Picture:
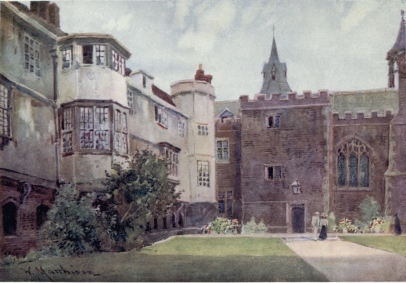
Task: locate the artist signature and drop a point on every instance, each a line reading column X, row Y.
column 61, row 270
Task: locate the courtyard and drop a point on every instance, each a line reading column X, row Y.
column 269, row 257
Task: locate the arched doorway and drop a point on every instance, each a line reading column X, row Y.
column 9, row 219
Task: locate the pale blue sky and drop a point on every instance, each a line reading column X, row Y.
column 326, row 44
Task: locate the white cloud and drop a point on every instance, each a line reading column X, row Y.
column 123, row 23
column 358, row 12
column 182, row 8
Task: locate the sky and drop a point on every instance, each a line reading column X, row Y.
column 339, row 45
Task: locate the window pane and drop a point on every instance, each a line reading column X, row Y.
column 87, row 54
column 270, row 173
column 364, row 174
column 341, row 169
column 353, row 169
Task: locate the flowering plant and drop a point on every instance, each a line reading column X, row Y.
column 379, row 225
column 345, row 224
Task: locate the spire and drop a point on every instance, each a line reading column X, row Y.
column 274, row 51
column 274, row 73
column 400, row 43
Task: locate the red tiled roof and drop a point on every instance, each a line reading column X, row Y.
column 162, row 95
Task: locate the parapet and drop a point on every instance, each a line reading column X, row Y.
column 322, row 97
column 362, row 117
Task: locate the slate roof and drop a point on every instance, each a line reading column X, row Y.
column 162, row 94
column 232, row 105
column 400, row 43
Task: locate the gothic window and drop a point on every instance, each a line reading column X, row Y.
column 353, row 164
column 9, row 219
column 203, row 173
column 222, row 150
column 4, row 111
column 120, row 144
column 164, row 223
column 118, row 62
column 225, row 202
column 66, row 57
column 202, row 130
column 32, row 55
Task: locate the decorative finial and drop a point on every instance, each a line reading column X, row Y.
column 200, row 66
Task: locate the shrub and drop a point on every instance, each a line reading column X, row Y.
column 71, row 227
column 370, row 209
column 138, row 190
column 253, row 228
column 223, row 225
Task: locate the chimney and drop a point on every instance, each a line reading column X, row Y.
column 49, row 12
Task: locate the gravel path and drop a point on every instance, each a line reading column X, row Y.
column 345, row 261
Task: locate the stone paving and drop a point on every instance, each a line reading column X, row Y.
column 345, row 261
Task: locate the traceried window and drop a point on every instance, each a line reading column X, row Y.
column 66, row 57
column 202, row 130
column 173, row 160
column 94, row 127
column 67, row 128
column 274, row 121
column 118, row 62
column 222, row 150
column 121, row 132
column 181, row 127
column 353, row 164
column 4, row 111
column 161, row 116
column 273, row 172
column 94, row 54
column 32, row 55
column 203, row 173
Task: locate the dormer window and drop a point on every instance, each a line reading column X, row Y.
column 118, row 62
column 144, row 81
column 94, row 54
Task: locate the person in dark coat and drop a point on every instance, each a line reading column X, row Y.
column 398, row 228
column 323, row 225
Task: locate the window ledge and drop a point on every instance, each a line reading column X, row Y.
column 353, row 189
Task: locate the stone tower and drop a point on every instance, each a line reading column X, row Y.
column 274, row 72
column 396, row 173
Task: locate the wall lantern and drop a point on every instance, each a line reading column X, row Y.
column 296, row 188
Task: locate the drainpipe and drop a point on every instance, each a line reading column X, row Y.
column 54, row 56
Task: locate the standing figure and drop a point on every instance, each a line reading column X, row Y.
column 398, row 228
column 315, row 224
column 323, row 224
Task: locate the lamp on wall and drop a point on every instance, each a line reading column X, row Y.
column 296, row 188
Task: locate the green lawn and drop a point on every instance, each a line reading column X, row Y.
column 396, row 244
column 179, row 259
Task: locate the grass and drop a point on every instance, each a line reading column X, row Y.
column 179, row 259
column 396, row 244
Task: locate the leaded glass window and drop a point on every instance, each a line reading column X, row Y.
column 4, row 111
column 202, row 130
column 353, row 164
column 222, row 150
column 118, row 62
column 67, row 127
column 120, row 144
column 220, row 202
column 203, row 174
column 94, row 127
column 66, row 57
column 32, row 55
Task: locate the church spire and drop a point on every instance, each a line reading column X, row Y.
column 274, row 73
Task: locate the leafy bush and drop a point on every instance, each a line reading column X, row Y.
column 253, row 228
column 138, row 191
column 223, row 226
column 71, row 227
column 370, row 209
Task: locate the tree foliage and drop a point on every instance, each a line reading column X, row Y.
column 370, row 209
column 137, row 191
column 71, row 227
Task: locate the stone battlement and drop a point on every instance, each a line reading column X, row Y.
column 354, row 118
column 292, row 99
